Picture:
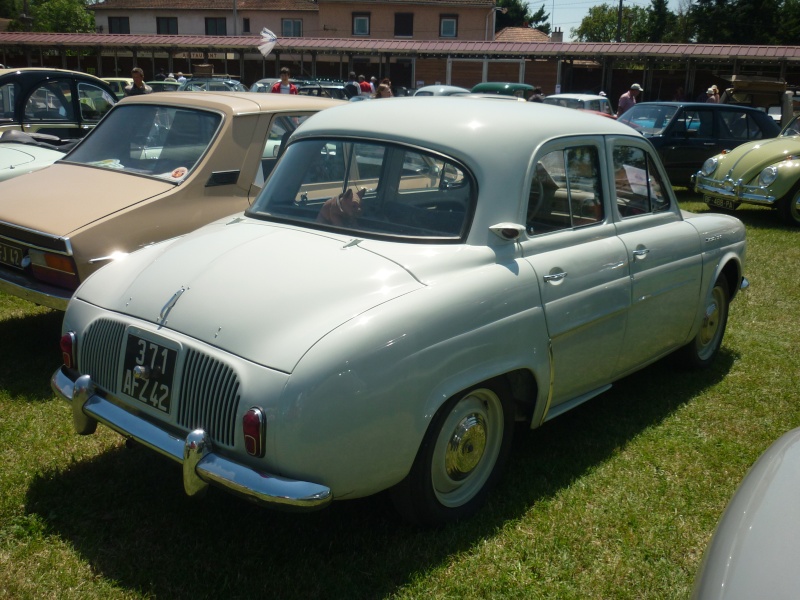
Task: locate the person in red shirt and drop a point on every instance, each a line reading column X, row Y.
column 366, row 88
column 284, row 86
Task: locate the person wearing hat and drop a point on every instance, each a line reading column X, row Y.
column 628, row 99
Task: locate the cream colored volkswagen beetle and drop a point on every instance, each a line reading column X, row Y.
column 416, row 275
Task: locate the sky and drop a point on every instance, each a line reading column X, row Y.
column 568, row 14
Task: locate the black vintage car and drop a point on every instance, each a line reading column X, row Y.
column 66, row 104
column 687, row 133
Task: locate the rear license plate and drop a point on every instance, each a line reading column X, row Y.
column 722, row 203
column 11, row 255
column 148, row 372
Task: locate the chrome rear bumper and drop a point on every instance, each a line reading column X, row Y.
column 201, row 465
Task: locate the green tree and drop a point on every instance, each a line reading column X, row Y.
column 789, row 25
column 518, row 14
column 600, row 25
column 60, row 16
column 659, row 21
column 10, row 9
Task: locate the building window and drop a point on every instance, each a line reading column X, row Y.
column 246, row 25
column 216, row 26
column 167, row 25
column 360, row 23
column 448, row 26
column 404, row 24
column 292, row 27
column 119, row 25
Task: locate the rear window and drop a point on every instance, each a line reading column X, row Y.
column 369, row 189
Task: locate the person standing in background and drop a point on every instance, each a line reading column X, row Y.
column 628, row 99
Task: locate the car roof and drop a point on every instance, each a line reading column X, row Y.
column 458, row 125
column 579, row 96
column 442, row 88
column 234, row 102
column 710, row 105
column 34, row 73
column 500, row 85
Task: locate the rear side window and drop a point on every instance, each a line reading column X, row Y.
column 565, row 191
column 8, row 98
column 51, row 101
column 740, row 125
column 638, row 186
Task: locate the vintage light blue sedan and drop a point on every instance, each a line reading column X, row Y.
column 416, row 275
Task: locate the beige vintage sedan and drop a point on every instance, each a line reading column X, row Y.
column 156, row 167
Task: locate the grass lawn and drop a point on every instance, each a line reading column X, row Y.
column 616, row 499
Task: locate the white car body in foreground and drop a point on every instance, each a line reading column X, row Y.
column 755, row 549
column 501, row 266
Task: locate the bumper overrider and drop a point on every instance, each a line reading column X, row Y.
column 201, row 465
column 733, row 190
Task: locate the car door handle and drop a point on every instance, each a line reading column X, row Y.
column 641, row 252
column 555, row 277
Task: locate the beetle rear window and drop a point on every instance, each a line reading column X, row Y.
column 369, row 188
column 159, row 141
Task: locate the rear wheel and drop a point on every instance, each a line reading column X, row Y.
column 789, row 207
column 460, row 458
column 702, row 350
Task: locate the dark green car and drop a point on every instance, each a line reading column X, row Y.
column 520, row 90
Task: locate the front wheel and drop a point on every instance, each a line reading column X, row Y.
column 460, row 458
column 702, row 350
column 789, row 207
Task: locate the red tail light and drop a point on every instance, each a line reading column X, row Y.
column 254, row 427
column 54, row 269
column 68, row 349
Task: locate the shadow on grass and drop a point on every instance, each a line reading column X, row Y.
column 754, row 217
column 30, row 353
column 126, row 514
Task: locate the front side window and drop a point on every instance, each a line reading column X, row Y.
column 292, row 27
column 638, row 186
column 565, row 191
column 371, row 189
column 216, row 26
column 94, row 101
column 696, row 123
column 119, row 25
column 448, row 26
column 404, row 24
column 51, row 101
column 360, row 23
column 280, row 129
column 167, row 25
column 168, row 147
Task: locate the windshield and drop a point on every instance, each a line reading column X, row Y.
column 161, row 141
column 648, row 118
column 369, row 188
column 212, row 85
column 793, row 128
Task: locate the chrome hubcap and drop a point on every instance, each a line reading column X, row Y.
column 466, row 447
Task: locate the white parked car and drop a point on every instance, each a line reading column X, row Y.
column 395, row 299
column 754, row 550
column 590, row 102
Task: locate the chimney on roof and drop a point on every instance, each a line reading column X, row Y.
column 557, row 36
